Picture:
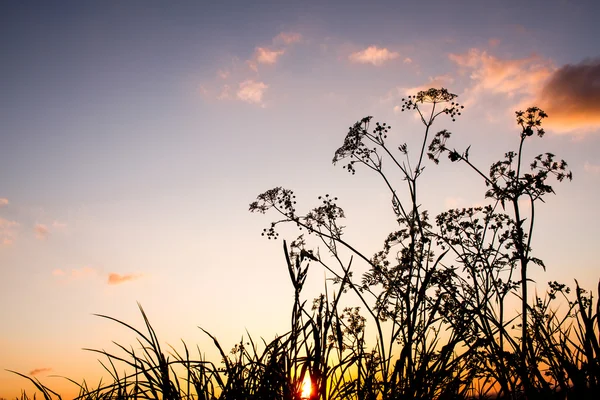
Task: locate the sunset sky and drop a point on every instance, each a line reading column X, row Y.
column 134, row 135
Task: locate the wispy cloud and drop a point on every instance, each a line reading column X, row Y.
column 267, row 56
column 223, row 73
column 287, row 38
column 3, row 201
column 75, row 273
column 453, row 202
column 38, row 371
column 252, row 91
column 59, row 224
column 8, row 231
column 373, row 55
column 495, row 75
column 571, row 97
column 41, row 231
column 116, row 279
column 435, row 81
column 591, row 168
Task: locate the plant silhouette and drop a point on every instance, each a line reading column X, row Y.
column 430, row 319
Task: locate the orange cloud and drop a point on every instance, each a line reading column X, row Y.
column 251, row 91
column 7, row 231
column 58, row 272
column 373, row 55
column 266, row 56
column 115, row 279
column 39, row 371
column 41, row 231
column 571, row 97
column 3, row 201
column 288, row 38
column 489, row 73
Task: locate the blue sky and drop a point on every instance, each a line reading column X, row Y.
column 133, row 136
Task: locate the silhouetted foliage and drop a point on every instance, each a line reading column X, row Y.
column 431, row 320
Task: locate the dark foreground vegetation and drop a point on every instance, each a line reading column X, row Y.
column 429, row 317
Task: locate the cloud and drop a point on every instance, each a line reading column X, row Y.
column 407, row 60
column 453, row 202
column 571, row 97
column 373, row 55
column 510, row 77
column 435, row 82
column 251, row 91
column 82, row 272
column 41, row 231
column 8, row 231
column 591, row 168
column 225, row 93
column 3, row 201
column 39, row 371
column 266, row 56
column 223, row 74
column 59, row 224
column 399, row 92
column 75, row 273
column 493, row 42
column 116, row 279
column 287, row 38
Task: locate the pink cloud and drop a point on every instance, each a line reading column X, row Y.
column 58, row 272
column 373, row 55
column 8, row 231
column 493, row 42
column 266, row 56
column 223, row 74
column 225, row 93
column 288, row 38
column 252, row 65
column 3, row 201
column 116, row 279
column 251, row 91
column 38, row 371
column 41, row 231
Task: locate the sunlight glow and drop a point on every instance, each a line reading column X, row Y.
column 306, row 387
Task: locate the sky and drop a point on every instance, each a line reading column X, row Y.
column 134, row 135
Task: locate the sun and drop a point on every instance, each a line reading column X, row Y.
column 306, row 387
